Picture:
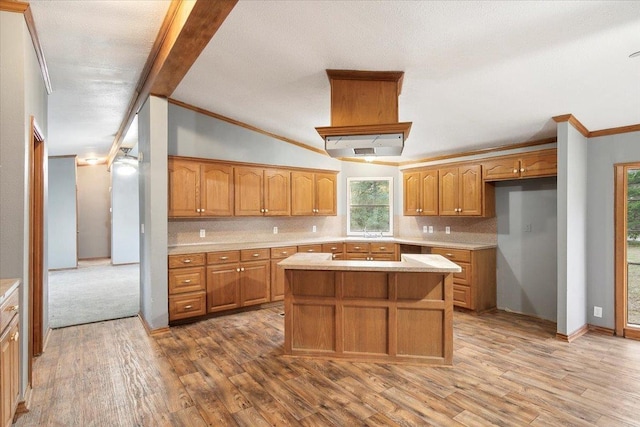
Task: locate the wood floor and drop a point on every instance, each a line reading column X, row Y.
column 508, row 370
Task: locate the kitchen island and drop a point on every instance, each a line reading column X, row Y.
column 388, row 311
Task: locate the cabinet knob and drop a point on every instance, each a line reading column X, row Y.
column 187, row 307
column 224, row 258
column 266, row 210
column 515, row 171
column 262, row 210
column 417, row 210
column 13, row 308
column 15, row 336
column 242, row 269
column 521, row 169
column 186, row 261
column 333, row 256
column 238, row 269
column 186, row 281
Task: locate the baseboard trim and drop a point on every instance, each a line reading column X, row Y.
column 633, row 334
column 602, row 330
column 150, row 331
column 23, row 405
column 574, row 335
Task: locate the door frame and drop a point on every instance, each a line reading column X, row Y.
column 620, row 249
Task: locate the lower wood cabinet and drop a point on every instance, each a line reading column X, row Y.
column 375, row 251
column 335, row 249
column 9, row 358
column 277, row 273
column 474, row 287
column 187, row 296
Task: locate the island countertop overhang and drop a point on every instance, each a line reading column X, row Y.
column 410, row 263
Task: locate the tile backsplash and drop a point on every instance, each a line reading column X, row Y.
column 252, row 229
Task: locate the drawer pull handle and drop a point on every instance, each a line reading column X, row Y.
column 449, row 255
column 186, row 281
column 334, row 248
column 256, row 255
column 187, row 307
column 382, row 248
column 224, row 258
column 284, row 253
column 186, row 261
column 310, row 250
column 357, row 248
column 15, row 336
column 13, row 308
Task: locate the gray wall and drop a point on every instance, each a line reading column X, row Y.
column 94, row 225
column 572, row 229
column 152, row 145
column 23, row 96
column 62, row 210
column 125, row 219
column 527, row 260
column 604, row 152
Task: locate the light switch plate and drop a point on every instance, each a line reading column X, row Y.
column 431, row 229
column 447, row 230
column 203, row 233
column 425, row 229
column 314, row 229
column 275, row 230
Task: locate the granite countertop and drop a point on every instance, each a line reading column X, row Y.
column 213, row 247
column 6, row 287
column 409, row 263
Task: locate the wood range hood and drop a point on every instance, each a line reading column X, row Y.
column 364, row 114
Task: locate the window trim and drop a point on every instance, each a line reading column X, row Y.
column 391, row 213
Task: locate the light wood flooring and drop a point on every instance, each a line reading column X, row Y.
column 508, row 370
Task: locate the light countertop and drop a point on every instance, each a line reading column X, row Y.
column 409, row 263
column 229, row 246
column 6, row 286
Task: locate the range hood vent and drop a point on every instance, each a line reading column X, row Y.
column 364, row 114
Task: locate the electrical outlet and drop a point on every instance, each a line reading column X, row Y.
column 202, row 232
column 431, row 229
column 447, row 230
column 526, row 228
column 425, row 229
column 275, row 230
column 314, row 229
column 597, row 311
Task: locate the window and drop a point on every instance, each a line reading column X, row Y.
column 370, row 206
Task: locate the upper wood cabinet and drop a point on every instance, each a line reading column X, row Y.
column 460, row 190
column 526, row 165
column 198, row 188
column 421, row 193
column 261, row 192
column 313, row 193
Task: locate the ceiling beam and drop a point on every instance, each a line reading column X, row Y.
column 187, row 29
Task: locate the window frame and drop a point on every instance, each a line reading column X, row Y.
column 389, row 179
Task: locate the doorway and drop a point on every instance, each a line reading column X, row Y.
column 627, row 249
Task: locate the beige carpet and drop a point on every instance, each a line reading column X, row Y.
column 93, row 292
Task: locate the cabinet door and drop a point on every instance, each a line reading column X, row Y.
column 277, row 192
column 223, row 291
column 500, row 169
column 326, row 188
column 411, row 193
column 470, row 196
column 429, row 193
column 302, row 193
column 248, row 185
column 448, row 191
column 216, row 190
column 254, row 283
column 9, row 372
column 277, row 281
column 539, row 164
column 184, row 188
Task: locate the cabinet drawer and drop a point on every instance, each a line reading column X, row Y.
column 310, row 248
column 284, row 252
column 356, row 256
column 254, row 254
column 186, row 260
column 8, row 309
column 358, row 248
column 462, row 296
column 187, row 305
column 464, row 277
column 454, row 255
column 382, row 248
column 183, row 280
column 223, row 257
column 333, row 248
column 383, row 257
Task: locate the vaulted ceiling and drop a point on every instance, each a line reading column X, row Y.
column 477, row 74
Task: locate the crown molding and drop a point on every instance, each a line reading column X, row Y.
column 573, row 122
column 13, row 6
column 593, row 134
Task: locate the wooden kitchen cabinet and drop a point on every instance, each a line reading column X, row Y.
column 335, row 249
column 9, row 357
column 313, row 193
column 460, row 190
column 420, row 192
column 474, row 288
column 375, row 251
column 262, row 192
column 527, row 165
column 277, row 273
column 187, row 296
column 199, row 188
column 232, row 284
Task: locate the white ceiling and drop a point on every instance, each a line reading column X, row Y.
column 477, row 74
column 95, row 53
